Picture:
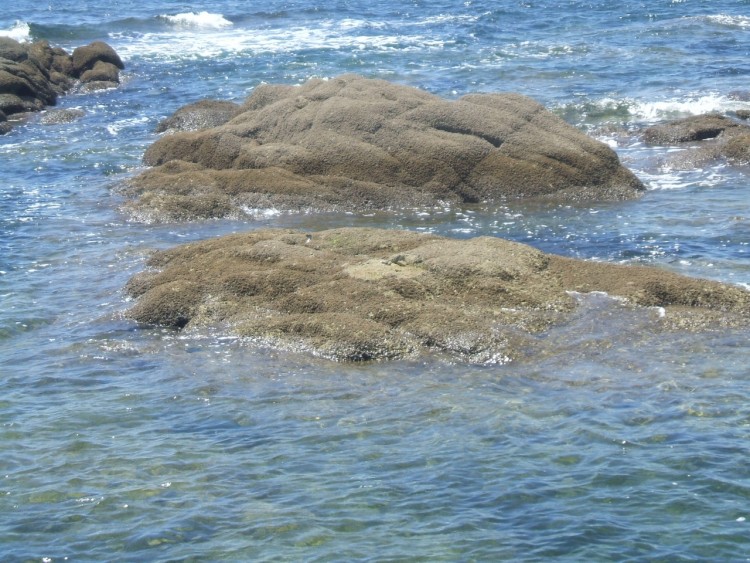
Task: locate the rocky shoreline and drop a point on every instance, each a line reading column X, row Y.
column 33, row 75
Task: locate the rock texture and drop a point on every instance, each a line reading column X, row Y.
column 363, row 294
column 353, row 143
column 33, row 75
column 203, row 114
column 705, row 138
column 694, row 128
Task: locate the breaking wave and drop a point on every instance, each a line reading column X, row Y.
column 20, row 31
column 199, row 19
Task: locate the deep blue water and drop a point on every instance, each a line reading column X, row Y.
column 616, row 443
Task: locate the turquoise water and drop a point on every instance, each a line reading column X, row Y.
column 613, row 442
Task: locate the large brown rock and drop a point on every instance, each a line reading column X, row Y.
column 102, row 72
column 360, row 143
column 26, row 81
column 360, row 294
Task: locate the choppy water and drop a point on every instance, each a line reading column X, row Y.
column 122, row 443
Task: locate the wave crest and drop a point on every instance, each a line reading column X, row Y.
column 198, row 19
column 731, row 21
column 21, row 31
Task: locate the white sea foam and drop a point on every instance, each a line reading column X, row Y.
column 20, row 32
column 117, row 126
column 730, row 21
column 199, row 19
column 190, row 43
column 691, row 105
column 448, row 18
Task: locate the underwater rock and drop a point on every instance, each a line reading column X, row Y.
column 352, row 143
column 60, row 116
column 371, row 294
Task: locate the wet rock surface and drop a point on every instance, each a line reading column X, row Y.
column 353, row 144
column 33, row 75
column 705, row 138
column 373, row 294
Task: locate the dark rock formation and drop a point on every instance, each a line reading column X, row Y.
column 89, row 56
column 694, row 128
column 705, row 138
column 360, row 294
column 4, row 125
column 33, row 75
column 352, row 143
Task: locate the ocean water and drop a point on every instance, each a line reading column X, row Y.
column 615, row 443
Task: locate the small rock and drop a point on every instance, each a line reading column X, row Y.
column 84, row 58
column 59, row 116
column 694, row 128
column 102, row 72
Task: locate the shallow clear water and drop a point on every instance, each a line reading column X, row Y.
column 613, row 443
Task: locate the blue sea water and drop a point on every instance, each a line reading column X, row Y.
column 615, row 443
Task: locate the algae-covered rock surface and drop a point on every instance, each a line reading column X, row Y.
column 353, row 143
column 365, row 294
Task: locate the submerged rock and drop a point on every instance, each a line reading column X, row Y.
column 33, row 75
column 59, row 116
column 364, row 294
column 353, row 143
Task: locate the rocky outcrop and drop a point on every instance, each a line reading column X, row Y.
column 363, row 294
column 352, row 143
column 688, row 129
column 33, row 75
column 705, row 138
